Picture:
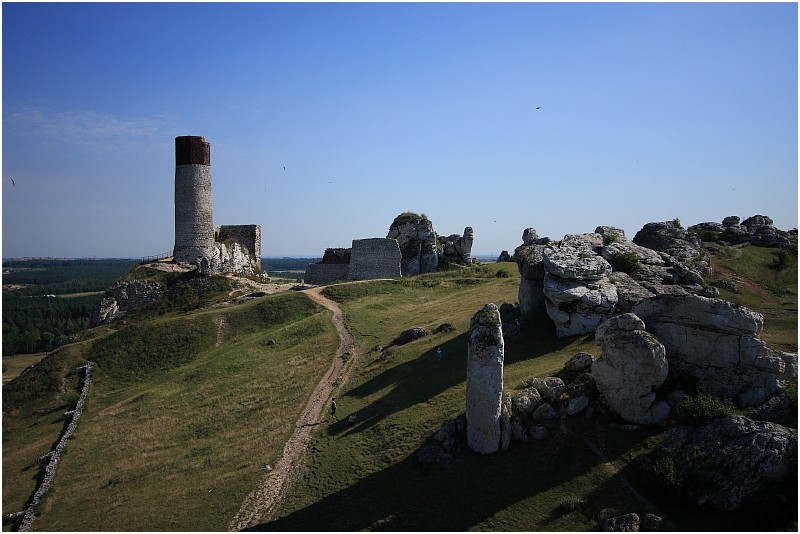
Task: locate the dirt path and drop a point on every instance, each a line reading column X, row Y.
column 736, row 277
column 273, row 486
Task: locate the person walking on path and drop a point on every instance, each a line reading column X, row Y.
column 439, row 354
column 333, row 408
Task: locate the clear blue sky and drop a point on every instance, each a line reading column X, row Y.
column 648, row 112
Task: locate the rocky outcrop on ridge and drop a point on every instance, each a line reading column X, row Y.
column 657, row 272
column 581, row 282
column 632, row 366
column 456, row 248
column 707, row 342
column 757, row 230
column 578, row 294
column 423, row 251
column 418, row 243
column 678, row 243
column 530, row 261
column 731, row 462
column 125, row 297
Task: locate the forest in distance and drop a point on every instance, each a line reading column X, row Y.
column 47, row 301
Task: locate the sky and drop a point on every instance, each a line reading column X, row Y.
column 557, row 116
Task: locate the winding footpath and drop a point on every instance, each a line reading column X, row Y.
column 271, row 489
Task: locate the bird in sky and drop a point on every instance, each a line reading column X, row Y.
column 12, row 183
column 284, row 167
column 539, row 107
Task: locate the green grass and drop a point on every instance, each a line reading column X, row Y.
column 179, row 449
column 366, row 476
column 13, row 366
column 186, row 409
column 776, row 294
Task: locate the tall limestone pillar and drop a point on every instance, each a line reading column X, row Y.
column 194, row 227
column 485, row 355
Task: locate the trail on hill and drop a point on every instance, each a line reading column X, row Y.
column 736, row 277
column 272, row 488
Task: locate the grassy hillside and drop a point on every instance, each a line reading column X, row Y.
column 188, row 408
column 367, row 476
column 762, row 287
column 183, row 415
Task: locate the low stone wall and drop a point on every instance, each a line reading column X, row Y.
column 326, row 273
column 55, row 455
column 375, row 258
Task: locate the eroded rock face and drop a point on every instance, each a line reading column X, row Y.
column 658, row 271
column 757, row 230
column 578, row 294
column 715, row 342
column 670, row 238
column 125, row 297
column 485, row 356
column 732, row 461
column 232, row 257
column 456, row 248
column 107, row 311
column 632, row 366
column 529, row 258
column 418, row 243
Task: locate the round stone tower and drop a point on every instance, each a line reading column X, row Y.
column 194, row 227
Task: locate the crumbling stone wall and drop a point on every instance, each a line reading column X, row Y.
column 334, row 267
column 374, row 258
column 54, row 456
column 326, row 273
column 247, row 235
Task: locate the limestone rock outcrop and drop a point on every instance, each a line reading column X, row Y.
column 125, row 297
column 632, row 366
column 108, row 309
column 578, row 294
column 530, row 261
column 485, row 356
column 715, row 342
column 232, row 257
column 418, row 243
column 456, row 248
column 671, row 238
column 657, row 272
column 757, row 230
column 732, row 461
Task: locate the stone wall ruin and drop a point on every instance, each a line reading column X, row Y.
column 374, row 258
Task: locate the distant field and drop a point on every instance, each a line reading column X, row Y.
column 13, row 366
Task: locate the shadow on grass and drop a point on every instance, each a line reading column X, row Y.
column 422, row 378
column 469, row 492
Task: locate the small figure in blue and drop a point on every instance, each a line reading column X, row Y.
column 439, row 354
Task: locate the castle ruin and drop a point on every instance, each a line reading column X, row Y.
column 410, row 248
column 229, row 249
